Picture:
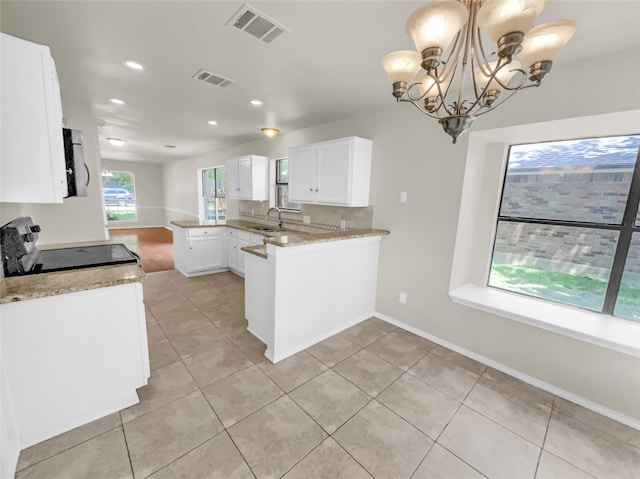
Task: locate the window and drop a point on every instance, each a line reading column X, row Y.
column 282, row 186
column 214, row 193
column 119, row 195
column 568, row 227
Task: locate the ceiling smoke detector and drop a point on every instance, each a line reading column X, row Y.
column 256, row 24
column 212, row 78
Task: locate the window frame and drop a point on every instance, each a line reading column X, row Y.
column 479, row 207
column 625, row 230
column 206, row 198
column 280, row 183
column 133, row 205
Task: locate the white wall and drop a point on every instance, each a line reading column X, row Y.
column 149, row 193
column 76, row 219
column 412, row 154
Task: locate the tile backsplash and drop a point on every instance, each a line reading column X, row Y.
column 322, row 217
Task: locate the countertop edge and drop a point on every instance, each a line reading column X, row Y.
column 23, row 288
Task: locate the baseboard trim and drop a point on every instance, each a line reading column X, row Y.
column 595, row 407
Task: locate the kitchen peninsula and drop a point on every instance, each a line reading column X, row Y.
column 302, row 287
column 74, row 347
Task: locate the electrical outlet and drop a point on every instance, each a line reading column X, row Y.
column 343, row 224
column 253, row 212
column 306, row 219
column 403, row 298
column 403, row 197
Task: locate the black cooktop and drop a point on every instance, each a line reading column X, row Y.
column 62, row 259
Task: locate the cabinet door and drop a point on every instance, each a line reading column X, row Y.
column 302, row 187
column 334, row 171
column 244, row 178
column 231, row 172
column 205, row 253
column 244, row 239
column 31, row 151
column 232, row 249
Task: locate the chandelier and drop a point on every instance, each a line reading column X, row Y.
column 447, row 35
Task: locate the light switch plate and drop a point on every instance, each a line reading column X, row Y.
column 306, row 219
column 403, row 197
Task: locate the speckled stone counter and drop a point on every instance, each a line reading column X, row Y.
column 22, row 288
column 285, row 237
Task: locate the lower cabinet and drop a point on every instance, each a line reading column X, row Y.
column 200, row 251
column 238, row 239
column 70, row 359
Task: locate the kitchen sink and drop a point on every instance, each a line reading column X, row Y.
column 266, row 229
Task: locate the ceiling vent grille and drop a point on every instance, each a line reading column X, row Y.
column 212, row 78
column 256, row 24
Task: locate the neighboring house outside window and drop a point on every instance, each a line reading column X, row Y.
column 569, row 227
column 214, row 193
column 282, row 186
column 118, row 188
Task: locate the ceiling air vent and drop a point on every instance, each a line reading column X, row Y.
column 256, row 24
column 212, row 78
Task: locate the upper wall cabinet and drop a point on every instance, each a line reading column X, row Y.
column 335, row 172
column 248, row 178
column 32, row 164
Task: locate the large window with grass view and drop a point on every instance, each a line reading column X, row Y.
column 119, row 192
column 282, row 186
column 214, row 197
column 569, row 227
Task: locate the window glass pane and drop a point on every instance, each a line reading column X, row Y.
column 579, row 180
column 628, row 302
column 560, row 263
column 209, row 208
column 282, row 171
column 220, row 182
column 221, row 204
column 119, row 192
column 208, row 182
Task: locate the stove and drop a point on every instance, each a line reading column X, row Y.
column 20, row 255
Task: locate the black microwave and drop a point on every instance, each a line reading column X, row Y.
column 77, row 170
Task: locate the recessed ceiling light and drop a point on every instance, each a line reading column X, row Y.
column 133, row 65
column 169, row 146
column 256, row 103
column 212, row 122
column 116, row 141
column 117, row 101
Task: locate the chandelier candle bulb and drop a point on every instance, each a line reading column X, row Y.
column 448, row 40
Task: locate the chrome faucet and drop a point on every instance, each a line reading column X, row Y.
column 279, row 215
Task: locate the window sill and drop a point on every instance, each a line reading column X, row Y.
column 603, row 330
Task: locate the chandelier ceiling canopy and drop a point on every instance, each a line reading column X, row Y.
column 452, row 79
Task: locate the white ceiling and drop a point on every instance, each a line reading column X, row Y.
column 326, row 68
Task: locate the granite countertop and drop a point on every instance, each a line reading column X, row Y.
column 285, row 237
column 31, row 286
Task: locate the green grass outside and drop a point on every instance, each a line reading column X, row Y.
column 121, row 216
column 583, row 291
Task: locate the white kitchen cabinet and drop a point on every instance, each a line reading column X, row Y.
column 238, row 239
column 335, row 172
column 232, row 249
column 248, row 178
column 32, row 161
column 72, row 358
column 199, row 250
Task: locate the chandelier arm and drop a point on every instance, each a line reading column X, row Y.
column 492, row 77
column 467, row 41
column 512, row 92
column 403, row 100
column 443, row 95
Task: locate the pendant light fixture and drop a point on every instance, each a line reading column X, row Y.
column 270, row 132
column 452, row 79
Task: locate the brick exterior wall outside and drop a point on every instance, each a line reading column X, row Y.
column 579, row 196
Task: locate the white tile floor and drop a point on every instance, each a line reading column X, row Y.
column 373, row 401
